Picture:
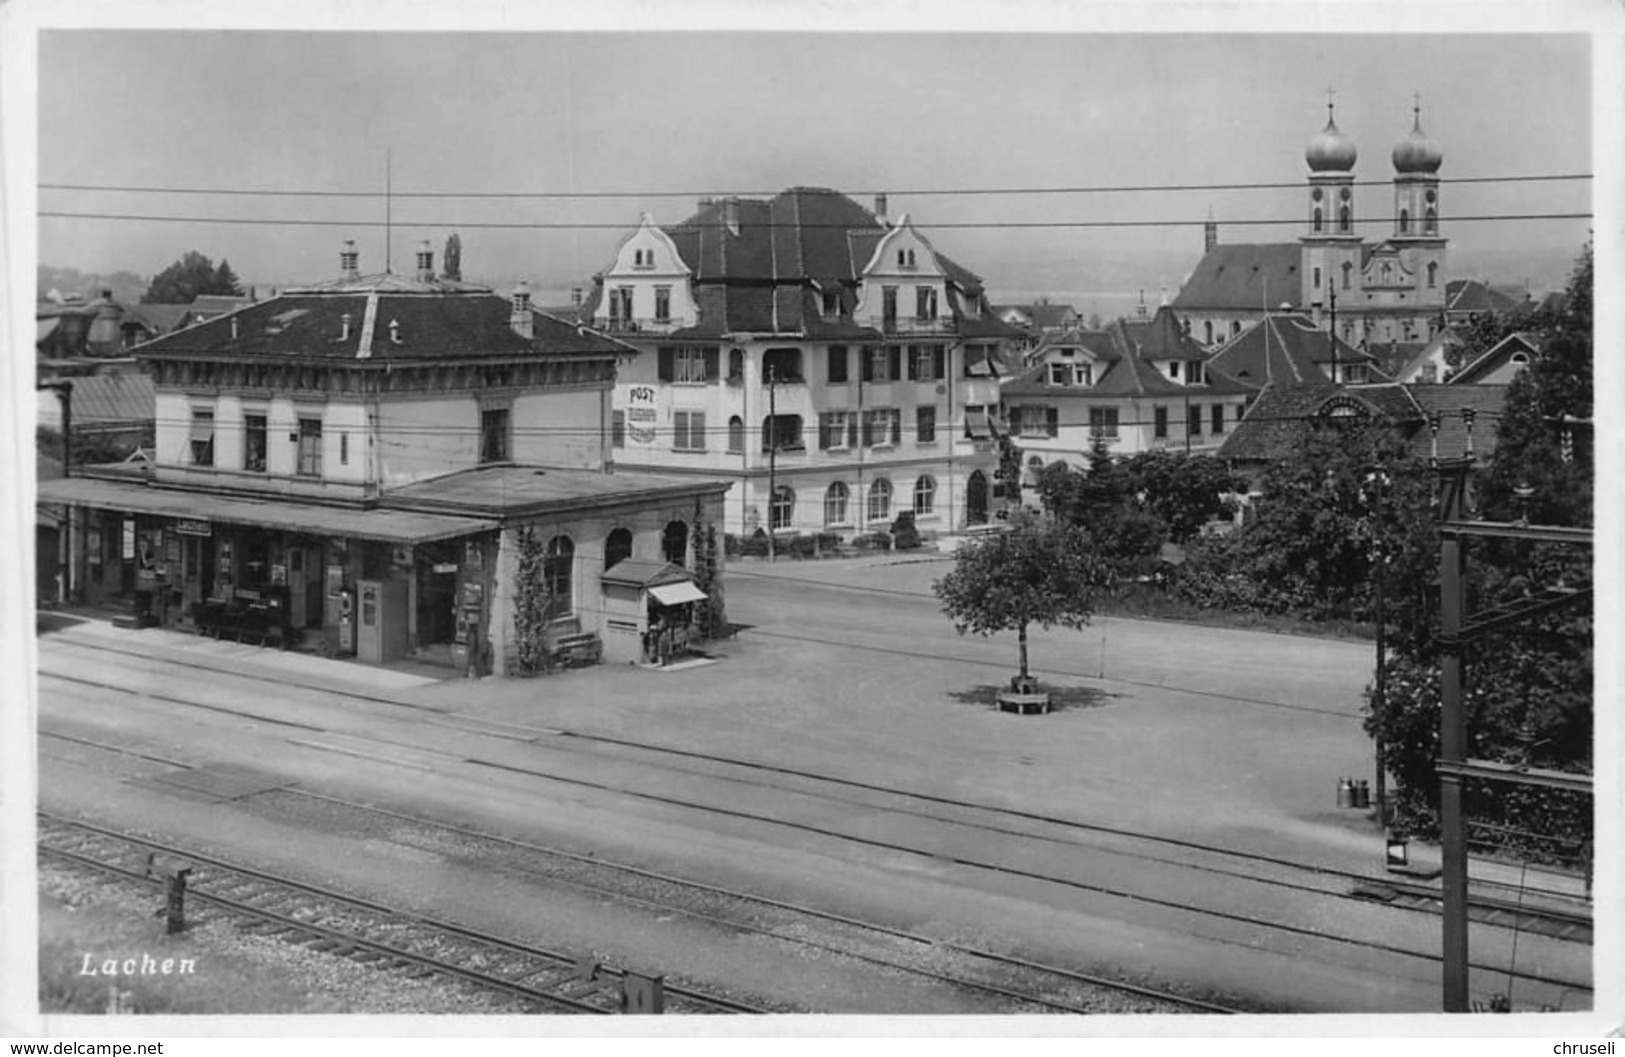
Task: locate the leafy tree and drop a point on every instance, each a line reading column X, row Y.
column 530, row 603
column 1041, row 571
column 1183, row 492
column 191, row 276
column 710, row 616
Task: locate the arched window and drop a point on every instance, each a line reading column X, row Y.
column 736, row 365
column 925, row 495
column 782, row 510
column 674, row 542
column 976, row 498
column 558, row 572
column 1430, row 222
column 1317, row 222
column 1345, row 219
column 880, row 500
column 835, row 504
column 1207, row 331
column 617, row 547
column 736, row 435
column 1433, row 274
column 1348, row 274
column 1235, row 327
column 1404, row 221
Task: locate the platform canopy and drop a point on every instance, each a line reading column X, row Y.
column 290, row 515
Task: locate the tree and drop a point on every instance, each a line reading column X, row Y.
column 530, row 603
column 1184, row 492
column 1041, row 571
column 188, row 278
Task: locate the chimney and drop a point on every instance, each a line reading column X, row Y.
column 234, row 326
column 730, row 214
column 350, row 260
column 575, row 296
column 344, row 327
column 425, row 262
column 522, row 319
column 880, row 207
column 706, row 202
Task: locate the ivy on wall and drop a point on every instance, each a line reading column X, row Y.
column 531, row 601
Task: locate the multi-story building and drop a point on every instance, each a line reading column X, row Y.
column 824, row 358
column 1133, row 387
column 1389, row 291
column 363, row 464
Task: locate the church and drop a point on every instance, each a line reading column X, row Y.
column 1370, row 293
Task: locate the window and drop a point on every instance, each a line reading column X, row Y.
column 837, row 365
column 882, row 426
column 888, row 307
column 344, row 448
column 782, row 432
column 1196, row 372
column 1430, row 222
column 1317, row 221
column 924, row 362
column 781, row 365
column 1315, row 284
column 617, row 428
column 1059, row 373
column 1173, row 369
column 880, row 500
column 1348, row 276
column 254, row 443
column 1083, row 374
column 1235, row 324
column 736, row 366
column 310, row 447
column 687, row 366
column 1103, row 422
column 1035, row 421
column 882, row 363
column 832, row 303
column 620, row 305
column 662, row 304
column 781, row 509
column 1404, row 221
column 736, row 435
column 617, row 547
column 1207, row 327
column 674, row 542
column 925, row 424
column 925, row 495
column 925, row 302
column 1193, row 420
column 558, row 573
column 1433, row 274
column 1159, row 428
column 688, row 430
column 202, row 437
column 1218, row 419
column 832, row 429
column 494, row 434
column 835, row 504
column 1345, row 219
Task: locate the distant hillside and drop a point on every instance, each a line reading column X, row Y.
column 126, row 286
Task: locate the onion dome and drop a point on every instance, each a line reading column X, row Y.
column 1330, row 150
column 1417, row 153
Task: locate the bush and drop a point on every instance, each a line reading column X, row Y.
column 905, row 537
column 827, row 543
column 872, row 541
column 799, row 546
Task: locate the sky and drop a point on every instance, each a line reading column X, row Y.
column 649, row 120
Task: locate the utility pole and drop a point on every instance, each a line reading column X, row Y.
column 65, row 567
column 772, row 438
column 1331, row 291
column 1380, row 696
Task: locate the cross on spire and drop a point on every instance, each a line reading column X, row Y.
column 1329, row 93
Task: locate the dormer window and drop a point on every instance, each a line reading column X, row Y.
column 925, row 302
column 832, row 303
column 1173, row 369
column 643, row 258
column 1058, row 373
column 1083, row 374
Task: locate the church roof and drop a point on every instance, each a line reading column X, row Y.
column 1248, row 276
column 1284, row 349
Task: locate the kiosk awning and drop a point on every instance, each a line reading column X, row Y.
column 392, row 526
column 676, row 594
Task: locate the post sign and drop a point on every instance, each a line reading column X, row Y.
column 641, row 415
column 194, row 527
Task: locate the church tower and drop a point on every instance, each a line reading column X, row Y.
column 1331, row 249
column 1416, row 220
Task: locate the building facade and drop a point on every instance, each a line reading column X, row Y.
column 307, row 446
column 1392, row 290
column 829, row 362
column 1131, row 388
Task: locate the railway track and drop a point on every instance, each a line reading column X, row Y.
column 385, row 937
column 1217, row 860
column 301, row 912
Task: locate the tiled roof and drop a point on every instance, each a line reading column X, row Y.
column 1283, row 349
column 432, row 326
column 1471, row 295
column 1276, row 424
column 1497, row 356
column 1392, row 359
column 1122, row 353
column 1250, row 277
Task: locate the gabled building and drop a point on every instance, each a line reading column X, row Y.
column 1392, row 290
column 1467, row 300
column 1444, row 421
column 79, row 337
column 359, row 465
column 1499, row 364
column 1133, row 387
column 826, row 359
column 1288, row 349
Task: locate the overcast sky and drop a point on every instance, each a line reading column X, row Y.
column 661, row 117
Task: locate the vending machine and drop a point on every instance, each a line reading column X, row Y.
column 346, row 623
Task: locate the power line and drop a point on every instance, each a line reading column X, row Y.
column 932, row 192
column 623, row 226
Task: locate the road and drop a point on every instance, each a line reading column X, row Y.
column 1019, row 835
